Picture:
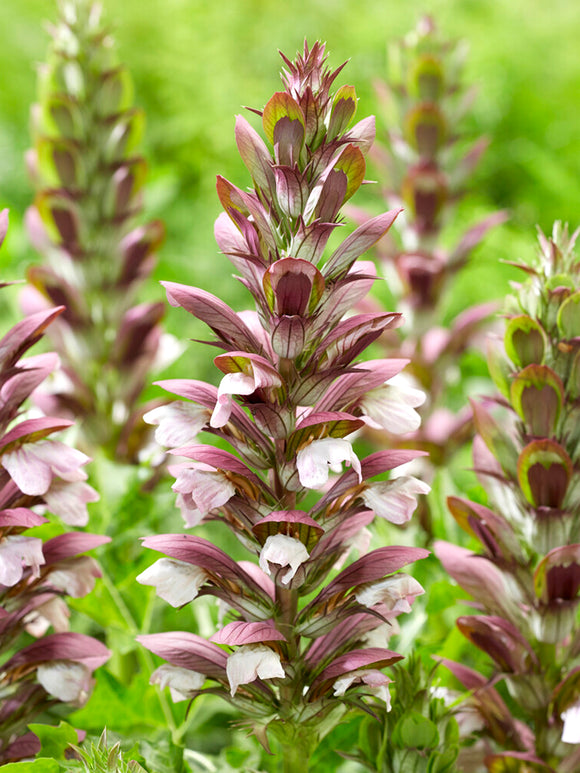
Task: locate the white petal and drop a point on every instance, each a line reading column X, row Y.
column 393, row 408
column 207, row 489
column 31, row 475
column 181, row 681
column 64, row 461
column 314, row 460
column 374, row 682
column 78, row 579
column 16, row 552
column 284, row 551
column 394, row 499
column 251, row 661
column 231, row 384
column 68, row 500
column 53, row 612
column 177, row 423
column 395, row 592
column 176, row 582
column 69, row 682
column 571, row 718
column 191, row 516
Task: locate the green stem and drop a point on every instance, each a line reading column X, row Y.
column 295, row 758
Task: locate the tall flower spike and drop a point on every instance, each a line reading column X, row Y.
column 527, row 578
column 427, row 162
column 89, row 178
column 291, row 396
column 37, row 472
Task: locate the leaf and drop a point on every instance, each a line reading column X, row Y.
column 361, row 240
column 343, row 109
column 525, row 341
column 42, row 765
column 496, row 439
column 537, row 394
column 113, row 705
column 281, row 105
column 55, row 740
column 544, row 470
column 569, row 317
column 414, row 731
column 352, row 163
column 254, row 154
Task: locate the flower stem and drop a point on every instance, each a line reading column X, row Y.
column 295, row 758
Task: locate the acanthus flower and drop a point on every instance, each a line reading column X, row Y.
column 291, row 396
column 315, row 460
column 38, row 474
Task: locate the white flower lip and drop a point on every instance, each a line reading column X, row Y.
column 231, row 384
column 392, row 407
column 397, row 592
column 250, row 662
column 395, row 499
column 285, row 551
column 571, row 718
column 176, row 582
column 316, row 459
column 181, row 681
column 374, row 681
column 67, row 681
column 177, row 423
column 16, row 552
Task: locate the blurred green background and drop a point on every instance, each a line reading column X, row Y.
column 196, row 63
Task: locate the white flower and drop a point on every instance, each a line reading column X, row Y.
column 177, row 582
column 68, row 499
column 32, row 466
column 285, row 551
column 200, row 491
column 16, row 552
column 177, row 423
column 394, row 500
column 314, row 461
column 76, row 579
column 53, row 612
column 181, row 681
column 375, row 681
column 231, row 384
column 392, row 408
column 251, row 661
column 69, row 682
column 397, row 592
column 571, row 718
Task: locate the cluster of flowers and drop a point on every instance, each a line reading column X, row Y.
column 427, row 164
column 527, row 577
column 89, row 178
column 38, row 473
column 297, row 651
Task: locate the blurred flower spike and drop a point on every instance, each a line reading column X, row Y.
column 291, row 396
column 427, row 160
column 527, row 577
column 39, row 474
column 89, row 177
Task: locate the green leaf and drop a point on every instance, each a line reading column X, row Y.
column 55, row 740
column 42, row 765
column 414, row 731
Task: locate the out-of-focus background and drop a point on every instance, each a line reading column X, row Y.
column 196, row 63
